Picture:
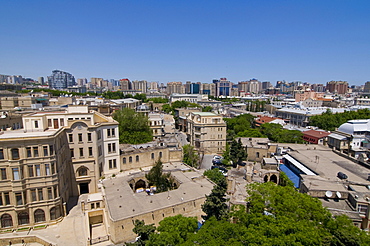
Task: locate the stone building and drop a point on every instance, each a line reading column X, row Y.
column 206, row 132
column 258, row 148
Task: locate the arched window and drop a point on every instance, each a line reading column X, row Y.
column 6, row 220
column 82, row 171
column 54, row 213
column 152, row 155
column 160, row 154
column 23, row 218
column 124, row 160
column 130, row 159
column 39, row 215
column 137, row 158
column 15, row 154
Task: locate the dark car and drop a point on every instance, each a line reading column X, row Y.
column 216, row 161
column 342, row 175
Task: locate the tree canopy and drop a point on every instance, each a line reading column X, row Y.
column 133, row 127
column 274, row 215
column 329, row 121
column 159, row 179
column 190, row 156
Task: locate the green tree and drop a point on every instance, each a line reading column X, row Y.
column 190, row 156
column 215, row 204
column 237, row 152
column 159, row 179
column 143, row 231
column 207, row 109
column 173, row 231
column 215, row 175
column 133, row 127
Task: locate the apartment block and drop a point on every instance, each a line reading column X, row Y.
column 207, row 132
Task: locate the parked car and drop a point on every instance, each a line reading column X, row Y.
column 217, row 162
column 222, row 169
column 342, row 175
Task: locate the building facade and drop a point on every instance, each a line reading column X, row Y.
column 61, row 80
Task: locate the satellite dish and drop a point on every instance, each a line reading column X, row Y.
column 328, row 193
column 338, row 194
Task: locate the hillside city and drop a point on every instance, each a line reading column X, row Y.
column 131, row 162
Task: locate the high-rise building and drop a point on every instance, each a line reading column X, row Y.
column 3, row 78
column 340, row 87
column 266, row 85
column 41, row 80
column 125, row 84
column 15, row 79
column 175, row 87
column 208, row 89
column 61, row 80
column 154, row 86
column 223, row 87
column 192, row 88
column 140, row 85
column 81, row 82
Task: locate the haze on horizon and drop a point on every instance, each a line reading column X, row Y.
column 308, row 41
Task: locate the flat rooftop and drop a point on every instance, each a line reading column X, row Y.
column 323, row 161
column 122, row 202
column 20, row 133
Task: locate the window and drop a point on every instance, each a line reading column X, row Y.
column 160, row 154
column 92, row 205
column 41, row 196
column 137, row 158
column 47, row 169
column 99, row 134
column 49, row 123
column 1, row 154
column 36, row 124
column 113, row 147
column 109, row 148
column 124, row 160
column 108, row 133
column 38, row 171
column 72, row 152
column 112, row 164
column 39, row 215
column 7, row 198
column 54, row 213
column 18, row 198
column 55, row 191
column 80, row 137
column 62, row 122
column 152, row 155
column 33, row 195
column 51, row 149
column 90, row 151
column 130, row 159
column 70, row 137
column 89, row 137
column 6, row 220
column 50, row 193
column 3, row 174
column 52, row 168
column 82, row 171
column 35, row 151
column 15, row 154
column 30, row 171
column 23, row 218
column 45, row 150
column 15, row 173
column 29, row 152
column 113, row 132
column 81, row 152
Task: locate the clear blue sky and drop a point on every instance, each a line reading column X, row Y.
column 155, row 40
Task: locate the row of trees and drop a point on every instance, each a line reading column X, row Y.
column 243, row 126
column 274, row 215
column 329, row 121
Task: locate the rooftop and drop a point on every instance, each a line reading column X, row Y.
column 122, row 202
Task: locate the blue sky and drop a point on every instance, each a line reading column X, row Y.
column 310, row 41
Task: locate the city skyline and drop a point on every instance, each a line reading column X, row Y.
column 163, row 41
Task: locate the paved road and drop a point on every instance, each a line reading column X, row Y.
column 207, row 162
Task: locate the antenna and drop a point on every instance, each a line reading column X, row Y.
column 328, row 193
column 338, row 194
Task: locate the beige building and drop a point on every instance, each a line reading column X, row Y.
column 124, row 201
column 8, row 103
column 258, row 148
column 35, row 177
column 207, row 132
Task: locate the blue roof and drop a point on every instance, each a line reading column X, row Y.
column 291, row 175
